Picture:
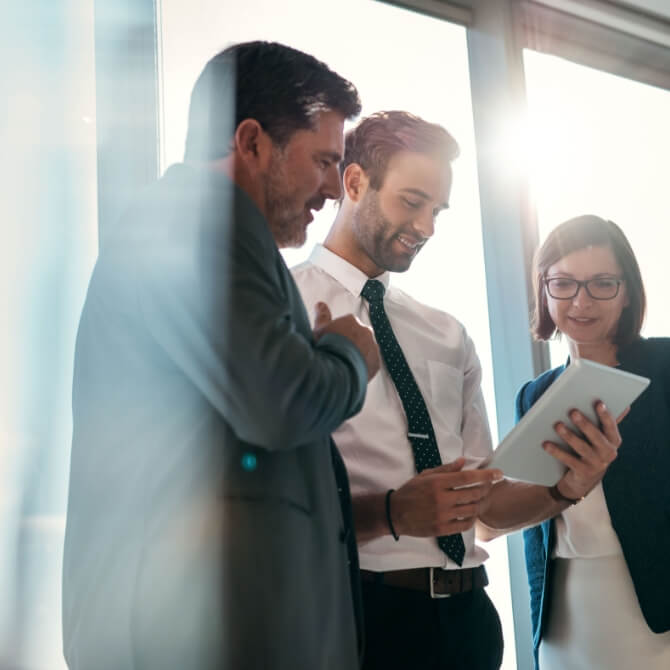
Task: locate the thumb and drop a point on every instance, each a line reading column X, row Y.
column 322, row 315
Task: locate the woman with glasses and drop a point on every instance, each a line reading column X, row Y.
column 598, row 575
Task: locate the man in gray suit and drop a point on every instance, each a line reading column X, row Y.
column 204, row 526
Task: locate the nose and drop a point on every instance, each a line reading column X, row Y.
column 424, row 224
column 582, row 297
column 332, row 183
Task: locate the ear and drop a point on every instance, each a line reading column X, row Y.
column 253, row 146
column 355, row 182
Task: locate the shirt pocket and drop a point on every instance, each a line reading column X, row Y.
column 446, row 396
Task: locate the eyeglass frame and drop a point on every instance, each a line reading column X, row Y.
column 583, row 283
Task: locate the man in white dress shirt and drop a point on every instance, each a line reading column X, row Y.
column 422, row 609
column 423, row 578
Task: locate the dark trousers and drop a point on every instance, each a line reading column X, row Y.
column 408, row 630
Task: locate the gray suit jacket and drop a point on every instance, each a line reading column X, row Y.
column 204, row 527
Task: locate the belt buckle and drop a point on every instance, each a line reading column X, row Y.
column 431, row 572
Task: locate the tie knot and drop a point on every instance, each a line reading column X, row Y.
column 373, row 291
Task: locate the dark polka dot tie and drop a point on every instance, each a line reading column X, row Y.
column 419, row 426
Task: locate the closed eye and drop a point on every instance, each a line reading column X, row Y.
column 326, row 159
column 412, row 204
column 562, row 283
column 604, row 282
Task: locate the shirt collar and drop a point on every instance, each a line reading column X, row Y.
column 343, row 271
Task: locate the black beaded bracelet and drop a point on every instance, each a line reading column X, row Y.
column 559, row 497
column 388, row 514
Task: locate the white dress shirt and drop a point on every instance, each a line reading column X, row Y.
column 374, row 443
column 585, row 530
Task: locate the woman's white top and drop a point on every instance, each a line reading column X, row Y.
column 585, row 530
column 595, row 622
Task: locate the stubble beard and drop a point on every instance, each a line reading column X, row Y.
column 288, row 228
column 375, row 233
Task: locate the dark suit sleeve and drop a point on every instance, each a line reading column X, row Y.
column 231, row 321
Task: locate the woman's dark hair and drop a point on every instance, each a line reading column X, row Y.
column 280, row 87
column 579, row 233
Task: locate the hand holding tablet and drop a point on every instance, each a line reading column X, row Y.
column 520, row 455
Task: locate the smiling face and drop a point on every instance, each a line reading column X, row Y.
column 587, row 323
column 390, row 226
column 301, row 176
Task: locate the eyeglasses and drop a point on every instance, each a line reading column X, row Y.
column 599, row 288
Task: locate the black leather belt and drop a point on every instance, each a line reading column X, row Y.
column 436, row 582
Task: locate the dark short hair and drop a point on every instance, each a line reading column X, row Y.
column 280, row 87
column 378, row 137
column 579, row 233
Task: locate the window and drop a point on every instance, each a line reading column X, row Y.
column 598, row 144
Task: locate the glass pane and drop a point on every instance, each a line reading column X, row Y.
column 48, row 244
column 428, row 76
column 598, row 144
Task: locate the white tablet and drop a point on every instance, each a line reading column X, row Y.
column 520, row 455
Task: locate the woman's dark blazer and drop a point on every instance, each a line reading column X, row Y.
column 636, row 490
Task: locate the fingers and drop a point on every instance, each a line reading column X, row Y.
column 592, row 452
column 623, row 415
column 462, row 512
column 442, row 500
column 472, row 494
column 585, row 452
column 452, row 519
column 350, row 327
column 363, row 337
column 466, row 477
column 472, row 478
column 609, row 424
column 452, row 466
column 322, row 315
column 569, row 460
column 600, row 443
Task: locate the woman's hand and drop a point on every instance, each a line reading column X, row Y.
column 593, row 452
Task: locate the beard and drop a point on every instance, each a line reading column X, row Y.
column 284, row 211
column 376, row 235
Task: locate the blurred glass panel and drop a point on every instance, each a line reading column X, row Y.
column 48, row 244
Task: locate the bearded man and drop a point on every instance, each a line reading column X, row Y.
column 208, row 516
